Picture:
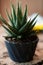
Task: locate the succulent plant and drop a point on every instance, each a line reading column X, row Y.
column 19, row 27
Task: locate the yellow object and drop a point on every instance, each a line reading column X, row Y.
column 38, row 27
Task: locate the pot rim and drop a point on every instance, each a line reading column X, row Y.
column 9, row 41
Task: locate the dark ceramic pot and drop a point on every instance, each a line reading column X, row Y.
column 22, row 52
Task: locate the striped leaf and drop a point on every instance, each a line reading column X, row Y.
column 8, row 30
column 31, row 27
column 23, row 28
column 13, row 13
column 24, row 20
column 10, row 18
column 33, row 19
column 10, row 27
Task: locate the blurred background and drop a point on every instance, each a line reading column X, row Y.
column 34, row 6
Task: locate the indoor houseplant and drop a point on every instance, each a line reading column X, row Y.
column 22, row 39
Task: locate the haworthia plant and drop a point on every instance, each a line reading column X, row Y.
column 20, row 27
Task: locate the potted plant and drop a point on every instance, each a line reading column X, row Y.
column 22, row 39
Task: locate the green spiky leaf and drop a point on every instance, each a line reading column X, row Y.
column 10, row 18
column 13, row 13
column 8, row 30
column 24, row 20
column 10, row 27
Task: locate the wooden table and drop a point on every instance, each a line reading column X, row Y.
column 5, row 59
